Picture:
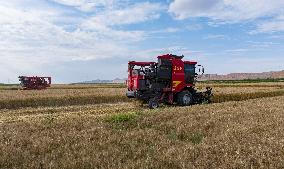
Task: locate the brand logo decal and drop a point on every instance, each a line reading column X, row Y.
column 176, row 83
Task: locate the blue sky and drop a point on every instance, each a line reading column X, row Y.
column 78, row 40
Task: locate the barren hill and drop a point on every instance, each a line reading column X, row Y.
column 241, row 76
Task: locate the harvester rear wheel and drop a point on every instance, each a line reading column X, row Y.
column 153, row 104
column 184, row 98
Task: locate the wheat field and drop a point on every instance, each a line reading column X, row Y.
column 98, row 127
column 64, row 95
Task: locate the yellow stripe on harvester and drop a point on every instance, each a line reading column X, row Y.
column 176, row 83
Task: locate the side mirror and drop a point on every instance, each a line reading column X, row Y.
column 201, row 69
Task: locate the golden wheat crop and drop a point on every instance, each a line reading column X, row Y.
column 63, row 95
column 58, row 93
column 245, row 134
column 253, row 85
column 228, row 90
column 79, row 92
column 60, row 97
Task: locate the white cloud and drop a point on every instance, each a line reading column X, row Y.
column 35, row 34
column 166, row 30
column 233, row 11
column 171, row 30
column 216, row 37
column 276, row 37
column 132, row 14
column 191, row 8
column 275, row 25
column 151, row 54
column 87, row 5
column 226, row 10
column 262, row 44
column 236, row 50
column 104, row 23
column 194, row 27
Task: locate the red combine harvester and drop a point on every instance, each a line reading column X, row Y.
column 34, row 82
column 169, row 81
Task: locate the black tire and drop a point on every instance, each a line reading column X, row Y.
column 153, row 104
column 184, row 98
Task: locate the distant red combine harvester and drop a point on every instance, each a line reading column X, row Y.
column 34, row 82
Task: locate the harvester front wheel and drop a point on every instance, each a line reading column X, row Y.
column 184, row 98
column 153, row 104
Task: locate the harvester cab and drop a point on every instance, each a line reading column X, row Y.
column 171, row 80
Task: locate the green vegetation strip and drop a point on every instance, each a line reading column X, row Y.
column 129, row 120
column 9, row 87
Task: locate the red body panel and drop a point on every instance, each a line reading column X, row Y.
column 178, row 82
column 133, row 82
